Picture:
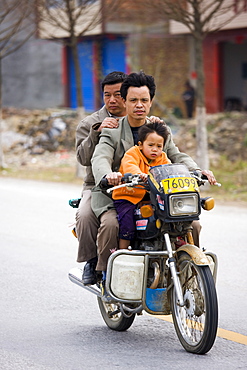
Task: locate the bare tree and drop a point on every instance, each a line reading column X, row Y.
column 68, row 21
column 200, row 17
column 16, row 27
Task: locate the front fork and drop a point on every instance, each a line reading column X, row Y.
column 172, row 265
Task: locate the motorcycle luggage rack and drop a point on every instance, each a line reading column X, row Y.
column 146, row 255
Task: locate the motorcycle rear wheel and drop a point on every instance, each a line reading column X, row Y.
column 195, row 323
column 116, row 322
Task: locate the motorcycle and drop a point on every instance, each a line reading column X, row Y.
column 163, row 272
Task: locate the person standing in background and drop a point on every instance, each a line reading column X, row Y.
column 189, row 98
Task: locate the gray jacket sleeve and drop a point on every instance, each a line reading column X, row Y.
column 86, row 139
column 103, row 156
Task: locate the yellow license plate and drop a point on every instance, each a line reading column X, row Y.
column 178, row 184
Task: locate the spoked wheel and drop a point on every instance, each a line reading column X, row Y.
column 195, row 323
column 113, row 316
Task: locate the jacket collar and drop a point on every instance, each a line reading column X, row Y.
column 126, row 136
column 143, row 156
column 103, row 113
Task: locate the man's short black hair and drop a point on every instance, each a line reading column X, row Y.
column 113, row 78
column 138, row 80
column 159, row 127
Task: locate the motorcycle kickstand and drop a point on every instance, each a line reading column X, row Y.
column 172, row 265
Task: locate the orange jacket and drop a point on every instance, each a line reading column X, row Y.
column 136, row 163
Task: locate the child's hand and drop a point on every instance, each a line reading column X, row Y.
column 143, row 176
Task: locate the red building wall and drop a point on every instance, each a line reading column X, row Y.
column 214, row 66
column 212, row 69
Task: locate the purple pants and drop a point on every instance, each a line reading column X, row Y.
column 125, row 216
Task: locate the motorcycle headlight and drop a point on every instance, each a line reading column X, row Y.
column 183, row 204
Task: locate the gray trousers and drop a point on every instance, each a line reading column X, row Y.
column 100, row 237
column 96, row 237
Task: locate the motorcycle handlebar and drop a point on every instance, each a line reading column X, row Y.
column 202, row 179
column 131, row 180
column 104, row 184
column 127, row 180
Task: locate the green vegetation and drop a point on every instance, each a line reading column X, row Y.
column 233, row 177
column 245, row 140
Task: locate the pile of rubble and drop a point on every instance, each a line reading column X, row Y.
column 48, row 136
column 227, row 136
column 38, row 131
column 38, row 136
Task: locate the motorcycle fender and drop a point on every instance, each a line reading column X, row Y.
column 196, row 254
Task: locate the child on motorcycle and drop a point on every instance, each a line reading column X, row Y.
column 138, row 160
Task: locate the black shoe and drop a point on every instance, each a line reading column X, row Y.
column 89, row 276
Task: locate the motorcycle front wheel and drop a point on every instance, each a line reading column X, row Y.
column 113, row 317
column 196, row 322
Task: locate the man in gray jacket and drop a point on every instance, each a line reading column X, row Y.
column 137, row 92
column 87, row 136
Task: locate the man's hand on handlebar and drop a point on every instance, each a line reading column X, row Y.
column 210, row 176
column 114, row 178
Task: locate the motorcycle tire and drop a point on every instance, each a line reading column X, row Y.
column 195, row 323
column 117, row 322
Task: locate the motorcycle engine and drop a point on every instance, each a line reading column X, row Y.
column 150, row 245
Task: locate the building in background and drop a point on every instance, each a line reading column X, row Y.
column 41, row 74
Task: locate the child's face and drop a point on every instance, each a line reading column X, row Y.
column 153, row 145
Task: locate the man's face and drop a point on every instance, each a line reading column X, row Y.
column 138, row 104
column 113, row 100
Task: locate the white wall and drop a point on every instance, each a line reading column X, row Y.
column 32, row 76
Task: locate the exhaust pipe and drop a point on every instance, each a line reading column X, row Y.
column 75, row 275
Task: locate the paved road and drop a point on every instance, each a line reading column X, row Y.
column 48, row 323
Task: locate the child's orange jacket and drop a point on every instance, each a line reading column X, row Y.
column 136, row 163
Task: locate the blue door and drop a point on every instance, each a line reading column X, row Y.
column 85, row 50
column 112, row 58
column 113, row 55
